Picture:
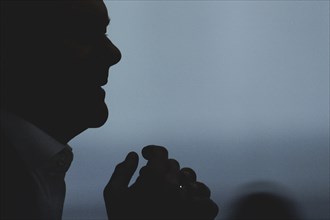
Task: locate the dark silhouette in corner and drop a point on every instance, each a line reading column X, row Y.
column 266, row 201
column 55, row 59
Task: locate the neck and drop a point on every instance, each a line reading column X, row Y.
column 63, row 134
column 59, row 128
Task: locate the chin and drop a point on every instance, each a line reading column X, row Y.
column 87, row 109
column 97, row 116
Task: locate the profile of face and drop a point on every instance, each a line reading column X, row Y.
column 57, row 67
column 86, row 56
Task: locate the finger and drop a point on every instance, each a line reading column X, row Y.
column 173, row 173
column 153, row 152
column 205, row 209
column 198, row 190
column 174, row 166
column 123, row 173
column 213, row 209
column 187, row 175
column 165, row 172
column 157, row 157
column 143, row 171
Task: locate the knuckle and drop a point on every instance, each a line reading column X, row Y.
column 187, row 175
column 152, row 151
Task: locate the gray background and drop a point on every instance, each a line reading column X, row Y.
column 237, row 90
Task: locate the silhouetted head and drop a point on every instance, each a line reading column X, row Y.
column 263, row 206
column 55, row 57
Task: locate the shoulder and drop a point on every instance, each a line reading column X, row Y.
column 18, row 189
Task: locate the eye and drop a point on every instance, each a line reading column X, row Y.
column 91, row 37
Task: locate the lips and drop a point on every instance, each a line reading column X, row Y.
column 104, row 82
column 94, row 73
column 92, row 90
column 92, row 78
column 94, row 82
column 102, row 92
column 102, row 79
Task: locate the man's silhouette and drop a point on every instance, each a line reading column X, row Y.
column 55, row 58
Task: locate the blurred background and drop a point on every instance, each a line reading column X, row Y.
column 236, row 90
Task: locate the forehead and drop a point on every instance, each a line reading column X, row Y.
column 90, row 9
column 85, row 15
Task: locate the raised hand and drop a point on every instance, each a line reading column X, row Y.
column 162, row 191
column 116, row 193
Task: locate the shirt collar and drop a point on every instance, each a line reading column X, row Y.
column 33, row 145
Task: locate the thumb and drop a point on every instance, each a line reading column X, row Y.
column 123, row 173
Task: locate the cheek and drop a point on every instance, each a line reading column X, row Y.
column 77, row 51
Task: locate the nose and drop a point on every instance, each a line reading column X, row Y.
column 112, row 53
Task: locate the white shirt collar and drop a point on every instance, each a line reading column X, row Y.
column 33, row 145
